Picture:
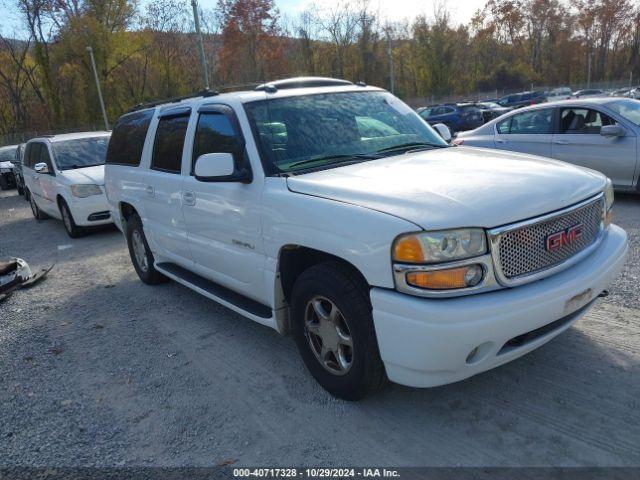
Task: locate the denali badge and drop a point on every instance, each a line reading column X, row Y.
column 557, row 240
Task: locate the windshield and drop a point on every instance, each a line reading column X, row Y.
column 629, row 109
column 80, row 153
column 7, row 154
column 316, row 131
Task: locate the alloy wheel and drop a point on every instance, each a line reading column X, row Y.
column 329, row 336
column 138, row 250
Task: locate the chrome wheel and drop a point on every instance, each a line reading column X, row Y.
column 66, row 218
column 138, row 250
column 328, row 334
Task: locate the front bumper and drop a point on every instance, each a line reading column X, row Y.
column 430, row 342
column 85, row 208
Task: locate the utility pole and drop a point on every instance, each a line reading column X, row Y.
column 589, row 69
column 392, row 75
column 203, row 60
column 95, row 75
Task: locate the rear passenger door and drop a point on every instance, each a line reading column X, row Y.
column 527, row 132
column 224, row 218
column 578, row 141
column 162, row 190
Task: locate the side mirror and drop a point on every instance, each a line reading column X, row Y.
column 612, row 131
column 41, row 168
column 220, row 167
column 444, row 131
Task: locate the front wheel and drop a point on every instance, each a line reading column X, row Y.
column 70, row 226
column 140, row 253
column 333, row 328
column 37, row 213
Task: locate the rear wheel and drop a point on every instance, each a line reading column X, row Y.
column 70, row 226
column 37, row 213
column 4, row 183
column 140, row 253
column 333, row 328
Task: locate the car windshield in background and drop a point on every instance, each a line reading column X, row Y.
column 315, row 131
column 80, row 153
column 629, row 109
column 8, row 155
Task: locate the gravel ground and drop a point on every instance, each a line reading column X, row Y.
column 97, row 368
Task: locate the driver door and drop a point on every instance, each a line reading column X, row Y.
column 223, row 219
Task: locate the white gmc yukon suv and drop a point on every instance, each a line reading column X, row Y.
column 333, row 212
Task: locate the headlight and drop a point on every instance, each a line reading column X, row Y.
column 608, row 202
column 440, row 246
column 84, row 191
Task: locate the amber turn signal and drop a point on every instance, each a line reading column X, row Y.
column 447, row 279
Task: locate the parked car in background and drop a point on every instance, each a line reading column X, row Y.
column 64, row 178
column 523, row 99
column 599, row 133
column 17, row 169
column 622, row 92
column 560, row 93
column 457, row 117
column 383, row 251
column 589, row 93
column 491, row 110
column 7, row 156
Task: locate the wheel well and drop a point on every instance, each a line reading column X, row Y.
column 294, row 260
column 127, row 210
column 58, row 198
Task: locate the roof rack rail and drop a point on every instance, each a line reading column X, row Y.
column 202, row 93
column 301, row 82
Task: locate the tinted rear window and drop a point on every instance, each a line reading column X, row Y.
column 169, row 143
column 127, row 139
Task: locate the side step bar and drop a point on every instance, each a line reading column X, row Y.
column 214, row 291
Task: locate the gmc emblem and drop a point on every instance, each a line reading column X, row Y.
column 557, row 240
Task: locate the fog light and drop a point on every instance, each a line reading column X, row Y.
column 447, row 279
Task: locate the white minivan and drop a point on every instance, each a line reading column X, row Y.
column 64, row 179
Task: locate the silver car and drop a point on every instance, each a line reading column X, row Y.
column 598, row 133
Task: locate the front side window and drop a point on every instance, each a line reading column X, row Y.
column 317, row 131
column 215, row 134
column 32, row 154
column 628, row 109
column 169, row 143
column 80, row 153
column 532, row 122
column 585, row 121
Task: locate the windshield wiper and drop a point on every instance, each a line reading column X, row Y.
column 406, row 146
column 341, row 156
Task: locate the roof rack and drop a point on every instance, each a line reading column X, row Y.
column 202, row 93
column 301, row 82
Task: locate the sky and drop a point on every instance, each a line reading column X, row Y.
column 461, row 10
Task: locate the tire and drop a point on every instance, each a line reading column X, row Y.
column 37, row 213
column 357, row 370
column 4, row 183
column 20, row 189
column 70, row 226
column 140, row 253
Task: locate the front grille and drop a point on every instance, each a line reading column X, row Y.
column 522, row 251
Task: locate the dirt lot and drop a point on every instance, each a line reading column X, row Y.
column 97, row 368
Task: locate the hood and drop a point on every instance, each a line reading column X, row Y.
column 6, row 165
column 94, row 175
column 455, row 187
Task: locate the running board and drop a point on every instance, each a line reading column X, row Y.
column 225, row 296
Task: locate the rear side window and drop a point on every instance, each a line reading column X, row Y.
column 169, row 143
column 531, row 122
column 503, row 127
column 127, row 139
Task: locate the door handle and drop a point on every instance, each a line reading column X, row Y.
column 189, row 198
column 561, row 142
column 501, row 140
column 150, row 190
